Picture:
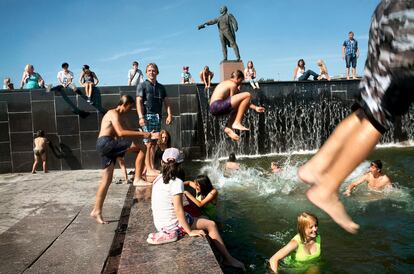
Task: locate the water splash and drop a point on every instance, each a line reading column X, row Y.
column 285, row 188
column 298, row 121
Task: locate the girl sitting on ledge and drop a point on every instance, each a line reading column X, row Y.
column 301, row 75
column 170, row 219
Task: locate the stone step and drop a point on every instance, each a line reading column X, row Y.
column 188, row 255
column 61, row 238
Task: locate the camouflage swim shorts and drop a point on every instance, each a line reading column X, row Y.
column 387, row 88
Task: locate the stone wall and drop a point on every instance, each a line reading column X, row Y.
column 299, row 115
column 23, row 112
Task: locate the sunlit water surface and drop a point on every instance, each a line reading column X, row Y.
column 257, row 214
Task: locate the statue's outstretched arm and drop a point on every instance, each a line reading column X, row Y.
column 208, row 23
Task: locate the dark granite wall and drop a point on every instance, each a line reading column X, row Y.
column 73, row 138
column 193, row 130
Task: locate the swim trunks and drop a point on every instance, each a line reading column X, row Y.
column 387, row 88
column 38, row 152
column 110, row 148
column 152, row 123
column 221, row 107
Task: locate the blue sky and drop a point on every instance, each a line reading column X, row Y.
column 110, row 34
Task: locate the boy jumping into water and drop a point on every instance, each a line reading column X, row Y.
column 112, row 144
column 226, row 99
column 387, row 90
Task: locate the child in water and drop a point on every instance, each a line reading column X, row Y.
column 206, row 196
column 39, row 150
column 304, row 247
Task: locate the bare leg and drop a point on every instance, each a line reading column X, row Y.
column 347, row 73
column 240, row 103
column 252, row 84
column 44, row 167
column 139, row 166
column 213, row 233
column 106, row 180
column 152, row 157
column 257, row 85
column 341, row 158
column 332, row 147
column 149, row 160
column 121, row 162
column 44, row 163
column 35, row 165
column 354, row 73
column 228, row 130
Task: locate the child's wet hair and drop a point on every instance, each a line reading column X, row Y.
column 126, row 100
column 303, row 222
column 237, row 74
column 40, row 133
column 377, row 163
column 171, row 171
column 162, row 132
column 232, row 157
column 205, row 184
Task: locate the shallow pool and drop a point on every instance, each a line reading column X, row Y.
column 257, row 214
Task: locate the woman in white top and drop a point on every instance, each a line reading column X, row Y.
column 301, row 75
column 250, row 75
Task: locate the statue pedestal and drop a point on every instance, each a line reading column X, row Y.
column 227, row 67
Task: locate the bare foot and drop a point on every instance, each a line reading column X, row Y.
column 141, row 182
column 231, row 134
column 233, row 262
column 305, row 175
column 239, row 127
column 98, row 217
column 152, row 172
column 347, row 78
column 330, row 203
column 33, row 172
column 354, row 78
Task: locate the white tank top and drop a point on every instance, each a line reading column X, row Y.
column 299, row 73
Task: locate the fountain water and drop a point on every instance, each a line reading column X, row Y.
column 298, row 117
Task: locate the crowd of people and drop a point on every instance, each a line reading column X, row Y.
column 386, row 91
column 88, row 79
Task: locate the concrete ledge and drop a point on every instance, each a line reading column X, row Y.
column 58, row 235
column 188, row 255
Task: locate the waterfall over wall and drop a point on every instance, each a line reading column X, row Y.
column 299, row 116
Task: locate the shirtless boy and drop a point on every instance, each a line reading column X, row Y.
column 226, row 99
column 375, row 178
column 386, row 92
column 111, row 144
column 39, row 150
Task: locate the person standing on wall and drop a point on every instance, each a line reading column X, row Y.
column 135, row 75
column 350, row 52
column 151, row 95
